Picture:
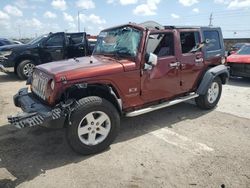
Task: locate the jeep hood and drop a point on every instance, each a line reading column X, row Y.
column 13, row 47
column 235, row 58
column 85, row 67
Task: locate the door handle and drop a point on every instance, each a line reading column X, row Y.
column 174, row 65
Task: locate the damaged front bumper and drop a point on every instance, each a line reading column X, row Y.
column 35, row 113
column 6, row 69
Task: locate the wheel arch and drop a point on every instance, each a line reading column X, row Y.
column 106, row 91
column 220, row 71
column 21, row 58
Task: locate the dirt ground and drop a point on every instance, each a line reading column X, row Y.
column 180, row 146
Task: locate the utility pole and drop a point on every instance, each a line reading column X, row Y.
column 19, row 31
column 211, row 20
column 78, row 18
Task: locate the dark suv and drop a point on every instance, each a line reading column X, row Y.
column 4, row 42
column 21, row 59
column 134, row 69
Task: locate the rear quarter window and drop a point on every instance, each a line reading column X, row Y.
column 214, row 40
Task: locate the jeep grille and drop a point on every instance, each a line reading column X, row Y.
column 39, row 84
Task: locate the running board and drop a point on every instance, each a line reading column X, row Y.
column 160, row 106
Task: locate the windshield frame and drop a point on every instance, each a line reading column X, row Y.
column 117, row 53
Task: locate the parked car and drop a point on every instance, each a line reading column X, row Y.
column 239, row 62
column 235, row 48
column 134, row 69
column 21, row 59
column 4, row 42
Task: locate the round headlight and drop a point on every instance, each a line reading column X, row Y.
column 52, row 85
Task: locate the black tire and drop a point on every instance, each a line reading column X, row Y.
column 203, row 102
column 25, row 69
column 84, row 107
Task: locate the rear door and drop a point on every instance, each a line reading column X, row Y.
column 53, row 48
column 192, row 63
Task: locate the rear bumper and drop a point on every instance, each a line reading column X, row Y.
column 35, row 113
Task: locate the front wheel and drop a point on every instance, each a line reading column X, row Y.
column 212, row 97
column 95, row 125
column 25, row 69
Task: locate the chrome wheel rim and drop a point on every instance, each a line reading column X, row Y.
column 213, row 92
column 28, row 69
column 94, row 128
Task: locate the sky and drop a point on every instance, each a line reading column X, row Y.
column 31, row 18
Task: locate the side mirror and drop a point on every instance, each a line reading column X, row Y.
column 40, row 45
column 152, row 59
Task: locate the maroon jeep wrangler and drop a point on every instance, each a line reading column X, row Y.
column 134, row 69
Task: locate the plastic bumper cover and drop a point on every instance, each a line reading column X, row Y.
column 6, row 69
column 35, row 113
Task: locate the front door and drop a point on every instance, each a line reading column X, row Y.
column 163, row 80
column 53, row 48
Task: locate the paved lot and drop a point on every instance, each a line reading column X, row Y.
column 181, row 146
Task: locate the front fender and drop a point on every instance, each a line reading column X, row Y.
column 220, row 70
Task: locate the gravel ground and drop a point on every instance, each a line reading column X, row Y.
column 180, row 146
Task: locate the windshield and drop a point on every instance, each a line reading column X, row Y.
column 38, row 39
column 119, row 41
column 245, row 50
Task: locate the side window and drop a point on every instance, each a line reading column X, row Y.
column 161, row 44
column 189, row 40
column 214, row 40
column 75, row 38
column 56, row 40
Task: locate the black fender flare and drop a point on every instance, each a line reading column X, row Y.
column 219, row 70
column 21, row 57
column 102, row 89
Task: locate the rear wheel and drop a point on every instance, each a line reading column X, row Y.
column 212, row 97
column 25, row 69
column 95, row 125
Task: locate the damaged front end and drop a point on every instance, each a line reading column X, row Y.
column 36, row 113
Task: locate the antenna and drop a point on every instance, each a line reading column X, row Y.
column 211, row 20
